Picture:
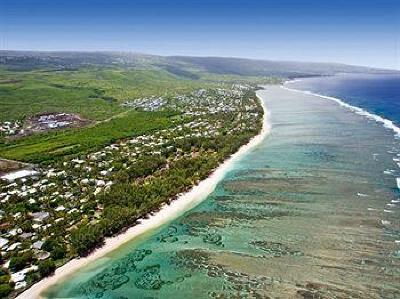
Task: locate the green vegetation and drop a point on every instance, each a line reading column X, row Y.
column 55, row 247
column 20, row 261
column 5, row 290
column 49, row 147
column 127, row 201
column 47, row 267
column 147, row 134
column 23, row 94
column 231, row 78
column 93, row 93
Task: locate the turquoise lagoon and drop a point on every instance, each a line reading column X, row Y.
column 311, row 212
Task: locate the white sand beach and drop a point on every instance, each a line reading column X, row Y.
column 167, row 213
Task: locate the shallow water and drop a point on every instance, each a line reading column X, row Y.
column 304, row 215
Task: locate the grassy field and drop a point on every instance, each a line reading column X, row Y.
column 25, row 93
column 95, row 93
column 48, row 147
column 210, row 77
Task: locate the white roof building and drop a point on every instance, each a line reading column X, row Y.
column 12, row 176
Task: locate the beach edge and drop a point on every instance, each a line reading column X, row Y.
column 167, row 213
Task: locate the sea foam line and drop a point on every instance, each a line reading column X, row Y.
column 388, row 124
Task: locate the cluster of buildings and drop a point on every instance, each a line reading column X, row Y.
column 50, row 121
column 53, row 121
column 41, row 204
column 214, row 101
column 40, row 123
column 199, row 102
column 146, row 104
column 8, row 128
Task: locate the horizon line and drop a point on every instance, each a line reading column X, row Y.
column 202, row 56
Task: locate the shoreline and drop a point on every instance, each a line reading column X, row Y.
column 166, row 213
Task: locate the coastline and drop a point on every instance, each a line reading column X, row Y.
column 167, row 213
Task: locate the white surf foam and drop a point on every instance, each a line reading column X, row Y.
column 389, row 171
column 385, row 122
column 293, row 81
column 388, row 124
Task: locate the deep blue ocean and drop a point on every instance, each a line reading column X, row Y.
column 377, row 94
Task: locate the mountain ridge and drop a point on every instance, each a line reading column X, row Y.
column 187, row 66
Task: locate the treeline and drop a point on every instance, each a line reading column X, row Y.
column 128, row 200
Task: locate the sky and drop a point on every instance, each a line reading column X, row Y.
column 353, row 32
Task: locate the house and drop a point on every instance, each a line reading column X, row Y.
column 37, row 245
column 12, row 176
column 3, row 242
column 40, row 216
